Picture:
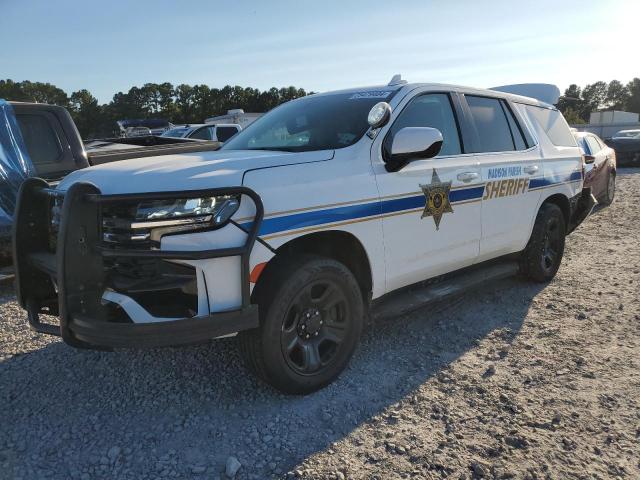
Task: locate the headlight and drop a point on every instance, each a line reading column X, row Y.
column 136, row 225
column 219, row 209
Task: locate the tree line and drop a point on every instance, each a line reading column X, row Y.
column 180, row 104
column 193, row 103
column 577, row 103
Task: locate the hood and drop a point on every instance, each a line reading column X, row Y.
column 191, row 171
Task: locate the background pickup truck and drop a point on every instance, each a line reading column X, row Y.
column 39, row 140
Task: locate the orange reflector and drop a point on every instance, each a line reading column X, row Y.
column 255, row 273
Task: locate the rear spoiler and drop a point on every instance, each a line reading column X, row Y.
column 544, row 92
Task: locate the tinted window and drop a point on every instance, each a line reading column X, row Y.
column 225, row 133
column 203, row 133
column 554, row 124
column 594, row 147
column 316, row 122
column 431, row 110
column 41, row 139
column 491, row 124
column 516, row 130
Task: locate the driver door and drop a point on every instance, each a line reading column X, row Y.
column 424, row 238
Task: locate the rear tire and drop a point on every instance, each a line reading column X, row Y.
column 311, row 317
column 542, row 257
column 610, row 192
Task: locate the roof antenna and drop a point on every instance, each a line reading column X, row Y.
column 397, row 80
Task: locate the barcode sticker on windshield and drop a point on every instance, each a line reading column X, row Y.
column 370, row 94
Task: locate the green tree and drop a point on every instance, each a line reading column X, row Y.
column 617, row 95
column 572, row 101
column 182, row 104
column 572, row 116
column 594, row 96
column 633, row 102
column 86, row 112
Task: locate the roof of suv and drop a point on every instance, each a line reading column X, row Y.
column 441, row 86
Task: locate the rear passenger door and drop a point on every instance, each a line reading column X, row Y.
column 508, row 161
column 424, row 239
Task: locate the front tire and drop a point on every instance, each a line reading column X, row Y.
column 311, row 316
column 542, row 256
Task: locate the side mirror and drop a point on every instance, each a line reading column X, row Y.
column 588, row 159
column 413, row 143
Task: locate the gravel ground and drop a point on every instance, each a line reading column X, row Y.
column 512, row 381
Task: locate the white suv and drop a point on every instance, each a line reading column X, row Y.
column 290, row 232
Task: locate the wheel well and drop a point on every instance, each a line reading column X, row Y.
column 563, row 203
column 340, row 246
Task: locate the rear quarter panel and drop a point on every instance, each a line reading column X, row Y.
column 562, row 167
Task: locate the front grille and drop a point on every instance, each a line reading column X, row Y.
column 118, row 230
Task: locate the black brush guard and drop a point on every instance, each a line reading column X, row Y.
column 69, row 283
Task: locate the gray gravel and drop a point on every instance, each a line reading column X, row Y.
column 513, row 381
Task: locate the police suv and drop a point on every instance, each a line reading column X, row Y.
column 300, row 225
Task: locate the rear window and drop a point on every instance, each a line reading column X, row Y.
column 554, row 124
column 225, row 133
column 40, row 138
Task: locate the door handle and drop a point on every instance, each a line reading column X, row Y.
column 531, row 169
column 467, row 176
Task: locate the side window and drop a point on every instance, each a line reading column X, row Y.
column 203, row 133
column 429, row 110
column 516, row 131
column 554, row 124
column 594, row 147
column 225, row 133
column 40, row 138
column 492, row 125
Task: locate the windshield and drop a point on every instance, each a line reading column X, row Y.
column 176, row 132
column 323, row 122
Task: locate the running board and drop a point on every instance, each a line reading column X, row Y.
column 418, row 296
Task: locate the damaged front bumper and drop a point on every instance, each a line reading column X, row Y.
column 73, row 274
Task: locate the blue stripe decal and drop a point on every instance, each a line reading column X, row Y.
column 546, row 181
column 353, row 212
column 318, row 217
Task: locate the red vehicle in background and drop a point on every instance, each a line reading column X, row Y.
column 600, row 166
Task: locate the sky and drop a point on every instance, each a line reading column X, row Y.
column 110, row 46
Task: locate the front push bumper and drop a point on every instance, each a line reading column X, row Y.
column 68, row 279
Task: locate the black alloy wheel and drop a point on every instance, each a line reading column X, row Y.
column 541, row 258
column 551, row 245
column 314, row 327
column 311, row 316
